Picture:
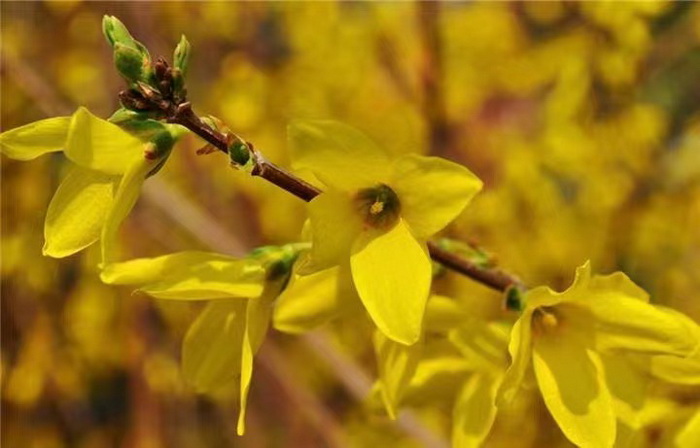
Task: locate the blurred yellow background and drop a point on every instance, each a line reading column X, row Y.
column 581, row 118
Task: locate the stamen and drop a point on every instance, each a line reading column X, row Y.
column 376, row 208
column 379, row 206
column 545, row 321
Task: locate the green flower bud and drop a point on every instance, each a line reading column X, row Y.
column 239, row 153
column 126, row 49
column 129, row 62
column 116, row 33
column 181, row 56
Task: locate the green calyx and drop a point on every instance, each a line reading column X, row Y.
column 514, row 299
column 379, row 206
column 278, row 260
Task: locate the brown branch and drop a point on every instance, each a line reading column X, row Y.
column 492, row 277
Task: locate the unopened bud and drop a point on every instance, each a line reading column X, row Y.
column 133, row 100
column 116, row 33
column 179, row 91
column 129, row 62
column 181, row 56
column 239, row 153
column 160, row 67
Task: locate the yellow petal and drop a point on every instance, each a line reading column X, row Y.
column 100, row 145
column 623, row 322
column 432, row 191
column 335, row 224
column 258, row 314
column 689, row 435
column 124, row 200
column 675, row 369
column 337, row 154
column 392, row 274
column 485, row 344
column 618, row 281
column 78, row 211
column 396, row 364
column 150, row 270
column 438, row 375
column 520, row 349
column 189, row 276
column 211, row 350
column 34, row 139
column 474, row 411
column 572, row 383
column 443, row 314
column 544, row 296
column 628, row 387
column 310, row 301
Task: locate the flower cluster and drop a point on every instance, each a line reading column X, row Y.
column 364, row 257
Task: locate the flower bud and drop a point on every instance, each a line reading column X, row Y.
column 239, row 153
column 129, row 62
column 133, row 100
column 116, row 33
column 181, row 56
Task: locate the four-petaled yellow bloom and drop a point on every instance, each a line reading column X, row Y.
column 218, row 350
column 109, row 166
column 376, row 214
column 564, row 334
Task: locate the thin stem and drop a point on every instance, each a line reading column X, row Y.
column 185, row 116
column 492, row 277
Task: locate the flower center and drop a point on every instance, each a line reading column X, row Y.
column 379, row 206
column 545, row 320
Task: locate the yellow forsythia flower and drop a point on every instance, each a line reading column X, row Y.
column 218, row 350
column 564, row 334
column 109, row 166
column 376, row 214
